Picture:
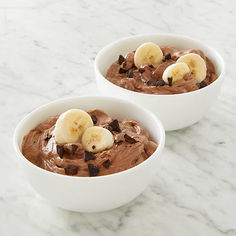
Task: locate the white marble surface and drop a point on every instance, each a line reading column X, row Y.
column 47, row 50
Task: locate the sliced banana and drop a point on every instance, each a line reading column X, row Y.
column 71, row 125
column 196, row 64
column 176, row 72
column 97, row 139
column 148, row 53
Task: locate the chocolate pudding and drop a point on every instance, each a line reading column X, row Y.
column 148, row 78
column 132, row 145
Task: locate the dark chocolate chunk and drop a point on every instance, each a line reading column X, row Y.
column 130, row 74
column 93, row 170
column 94, row 118
column 160, row 83
column 124, row 65
column 151, row 66
column 119, row 142
column 93, row 147
column 71, row 170
column 106, row 164
column 74, row 148
column 152, row 82
column 141, row 70
column 167, row 57
column 60, row 151
column 202, row 84
column 122, row 71
column 88, row 156
column 129, row 139
column 121, row 59
column 108, row 127
column 115, row 126
column 47, row 137
column 170, row 81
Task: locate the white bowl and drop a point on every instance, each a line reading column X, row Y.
column 175, row 111
column 91, row 194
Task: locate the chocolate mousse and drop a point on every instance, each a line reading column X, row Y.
column 132, row 145
column 148, row 78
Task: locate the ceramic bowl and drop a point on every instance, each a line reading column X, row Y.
column 91, row 194
column 175, row 111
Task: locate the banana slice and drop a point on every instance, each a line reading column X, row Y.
column 71, row 125
column 176, row 72
column 196, row 64
column 148, row 53
column 96, row 139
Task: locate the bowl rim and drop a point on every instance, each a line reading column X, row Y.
column 156, row 154
column 112, row 44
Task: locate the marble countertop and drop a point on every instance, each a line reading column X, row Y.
column 47, row 51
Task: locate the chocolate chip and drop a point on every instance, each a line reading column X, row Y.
column 93, row 147
column 94, row 118
column 152, row 82
column 88, row 156
column 170, row 81
column 202, row 84
column 141, row 70
column 60, row 151
column 121, row 59
column 129, row 139
column 106, row 164
column 119, row 142
column 167, row 57
column 122, row 71
column 108, row 127
column 71, row 170
column 47, row 137
column 151, row 66
column 124, row 64
column 160, row 83
column 130, row 74
column 93, row 170
column 115, row 126
column 74, row 148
